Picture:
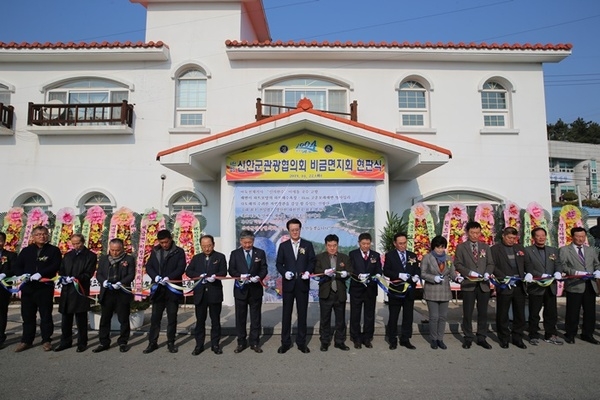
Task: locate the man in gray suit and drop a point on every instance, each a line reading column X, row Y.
column 474, row 260
column 577, row 259
column 543, row 263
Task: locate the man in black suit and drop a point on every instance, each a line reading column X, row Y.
column 166, row 262
column 401, row 266
column 509, row 260
column 363, row 292
column 337, row 267
column 249, row 265
column 115, row 269
column 38, row 260
column 208, row 295
column 295, row 263
column 7, row 262
column 78, row 264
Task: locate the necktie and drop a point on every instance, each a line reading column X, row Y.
column 365, row 256
column 332, row 264
column 403, row 258
column 581, row 257
column 248, row 260
column 474, row 250
column 295, row 246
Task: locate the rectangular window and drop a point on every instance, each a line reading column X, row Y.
column 337, row 101
column 192, row 93
column 190, row 119
column 412, row 120
column 493, row 101
column 493, row 120
column 411, row 99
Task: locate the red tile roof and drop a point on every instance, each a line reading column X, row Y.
column 398, row 45
column 80, row 45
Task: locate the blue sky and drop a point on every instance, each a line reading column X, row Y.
column 571, row 85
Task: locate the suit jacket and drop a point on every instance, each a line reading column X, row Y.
column 429, row 270
column 8, row 260
column 371, row 266
column 343, row 263
column 125, row 273
column 46, row 263
column 258, row 267
column 213, row 264
column 172, row 267
column 393, row 266
column 286, row 261
column 537, row 266
column 82, row 266
column 570, row 264
column 502, row 266
column 465, row 262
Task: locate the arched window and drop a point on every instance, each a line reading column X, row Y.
column 185, row 201
column 35, row 200
column 191, row 98
column 97, row 199
column 495, row 105
column 324, row 95
column 413, row 104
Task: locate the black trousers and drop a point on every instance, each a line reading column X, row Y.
column 357, row 305
column 113, row 303
column 504, row 300
column 469, row 298
column 39, row 300
column 4, row 301
column 394, row 306
column 241, row 316
column 301, row 299
column 202, row 309
column 548, row 301
column 158, row 307
column 81, row 319
column 575, row 302
column 332, row 303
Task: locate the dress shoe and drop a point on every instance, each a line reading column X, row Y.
column 442, row 345
column 22, row 347
column 357, row 345
column 520, row 344
column 434, row 344
column 216, row 350
column 197, row 350
column 256, row 348
column 324, row 347
column 283, row 349
column 569, row 340
column 589, row 339
column 81, row 348
column 504, row 345
column 151, row 347
column 100, row 348
column 123, row 348
column 240, row 348
column 393, row 346
column 172, row 348
column 408, row 345
column 304, row 349
column 534, row 341
column 341, row 346
column 484, row 344
column 554, row 340
column 62, row 347
column 368, row 344
column 47, row 346
column 466, row 344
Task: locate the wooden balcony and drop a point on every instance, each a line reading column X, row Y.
column 7, row 114
column 56, row 118
column 268, row 110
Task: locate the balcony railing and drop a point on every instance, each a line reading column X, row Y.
column 268, row 110
column 93, row 114
column 6, row 115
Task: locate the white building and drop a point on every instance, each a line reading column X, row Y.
column 573, row 169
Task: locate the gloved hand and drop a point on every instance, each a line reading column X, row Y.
column 24, row 277
column 157, row 279
column 36, row 277
column 202, row 276
column 2, row 276
column 306, row 275
column 545, row 275
column 486, row 277
column 244, row 276
column 437, row 279
column 576, row 273
column 344, row 274
column 106, row 284
column 211, row 278
column 528, row 278
column 415, row 278
column 116, row 286
column 596, row 274
column 164, row 281
column 557, row 275
column 255, row 279
column 460, row 278
column 289, row 275
column 474, row 274
column 330, row 272
column 404, row 276
column 378, row 276
column 362, row 277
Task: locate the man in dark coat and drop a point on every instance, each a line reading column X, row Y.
column 7, row 262
column 166, row 262
column 115, row 270
column 77, row 267
column 208, row 295
column 38, row 260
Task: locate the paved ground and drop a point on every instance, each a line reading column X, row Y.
column 542, row 372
